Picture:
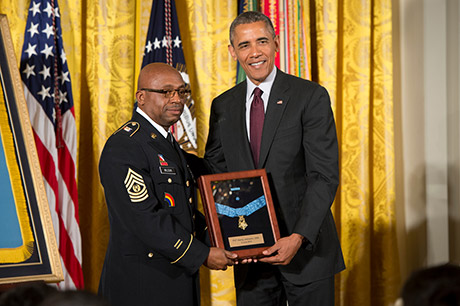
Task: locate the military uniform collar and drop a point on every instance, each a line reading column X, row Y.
column 158, row 127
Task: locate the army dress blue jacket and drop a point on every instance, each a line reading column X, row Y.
column 153, row 256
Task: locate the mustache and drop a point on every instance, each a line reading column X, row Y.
column 175, row 106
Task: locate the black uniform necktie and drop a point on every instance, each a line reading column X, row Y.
column 174, row 143
column 170, row 138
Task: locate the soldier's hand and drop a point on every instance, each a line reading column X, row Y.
column 220, row 259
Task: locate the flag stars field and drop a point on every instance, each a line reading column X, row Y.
column 157, row 43
column 29, row 70
column 177, row 42
column 33, row 29
column 35, row 8
column 49, row 10
column 45, row 92
column 31, row 50
column 65, row 77
column 47, row 50
column 63, row 57
column 165, row 42
column 45, row 72
column 48, row 31
column 148, row 47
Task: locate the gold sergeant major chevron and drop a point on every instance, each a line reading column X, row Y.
column 135, row 186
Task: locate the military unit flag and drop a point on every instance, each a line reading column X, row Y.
column 290, row 22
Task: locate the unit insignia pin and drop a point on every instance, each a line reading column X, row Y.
column 162, row 160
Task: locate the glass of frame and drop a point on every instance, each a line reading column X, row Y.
column 239, row 211
column 28, row 248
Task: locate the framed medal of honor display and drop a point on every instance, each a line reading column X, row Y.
column 28, row 248
column 239, row 211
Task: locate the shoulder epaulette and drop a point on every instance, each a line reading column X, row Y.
column 130, row 128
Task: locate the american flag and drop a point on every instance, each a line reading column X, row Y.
column 48, row 93
column 164, row 44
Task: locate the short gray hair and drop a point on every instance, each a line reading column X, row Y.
column 251, row 17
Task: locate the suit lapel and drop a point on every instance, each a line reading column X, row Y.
column 277, row 102
column 238, row 129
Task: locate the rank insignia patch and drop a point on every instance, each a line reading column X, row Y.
column 131, row 128
column 135, row 186
column 170, row 200
column 162, row 160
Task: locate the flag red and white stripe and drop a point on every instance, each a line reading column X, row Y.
column 48, row 93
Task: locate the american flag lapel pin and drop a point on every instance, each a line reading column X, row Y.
column 279, row 102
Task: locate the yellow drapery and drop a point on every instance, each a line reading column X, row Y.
column 354, row 62
column 351, row 57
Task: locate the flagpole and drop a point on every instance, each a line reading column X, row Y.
column 138, row 48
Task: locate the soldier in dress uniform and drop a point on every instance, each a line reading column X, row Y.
column 156, row 234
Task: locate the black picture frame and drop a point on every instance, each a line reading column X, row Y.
column 239, row 211
column 34, row 255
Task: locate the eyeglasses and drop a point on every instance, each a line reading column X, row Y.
column 182, row 92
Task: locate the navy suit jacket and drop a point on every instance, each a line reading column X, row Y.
column 300, row 154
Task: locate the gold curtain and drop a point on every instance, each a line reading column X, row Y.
column 351, row 54
column 354, row 62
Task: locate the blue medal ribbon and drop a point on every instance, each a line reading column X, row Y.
column 242, row 211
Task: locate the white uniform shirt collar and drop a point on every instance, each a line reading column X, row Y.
column 155, row 125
